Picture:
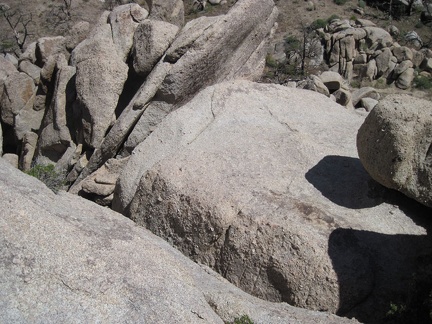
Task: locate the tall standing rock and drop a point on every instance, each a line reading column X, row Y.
column 56, row 134
column 100, row 76
column 124, row 20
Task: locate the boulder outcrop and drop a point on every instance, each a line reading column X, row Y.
column 394, row 145
column 359, row 50
column 100, row 76
column 65, row 259
column 206, row 51
column 262, row 183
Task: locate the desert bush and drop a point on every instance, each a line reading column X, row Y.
column 270, row 61
column 340, row 2
column 49, row 176
column 422, row 82
column 243, row 320
column 319, row 23
column 332, row 17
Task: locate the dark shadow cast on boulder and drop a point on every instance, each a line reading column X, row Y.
column 345, row 182
column 382, row 278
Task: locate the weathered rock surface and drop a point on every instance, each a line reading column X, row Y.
column 365, row 92
column 124, row 20
column 101, row 74
column 28, row 148
column 31, row 70
column 207, row 55
column 171, row 11
column 368, row 103
column 152, row 38
column 18, row 92
column 6, row 69
column 262, row 183
column 12, row 159
column 405, row 78
column 101, row 183
column 394, row 145
column 55, row 135
column 77, row 34
column 65, row 259
column 49, row 46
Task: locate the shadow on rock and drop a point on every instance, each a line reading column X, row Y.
column 382, row 278
column 345, row 182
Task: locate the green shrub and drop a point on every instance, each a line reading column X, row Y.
column 242, row 320
column 271, row 62
column 422, row 82
column 362, row 4
column 317, row 24
column 46, row 173
column 340, row 2
column 332, row 17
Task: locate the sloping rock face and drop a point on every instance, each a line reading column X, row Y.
column 394, row 145
column 262, row 183
column 64, row 259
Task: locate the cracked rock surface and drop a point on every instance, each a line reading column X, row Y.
column 64, row 259
column 263, row 184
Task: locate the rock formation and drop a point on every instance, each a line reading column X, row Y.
column 262, row 183
column 65, row 259
column 365, row 51
column 394, row 145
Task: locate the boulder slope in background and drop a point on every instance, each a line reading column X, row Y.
column 67, row 260
column 262, row 183
column 394, row 145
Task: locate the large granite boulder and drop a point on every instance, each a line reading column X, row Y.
column 263, row 184
column 394, row 145
column 64, row 259
column 100, row 76
column 57, row 130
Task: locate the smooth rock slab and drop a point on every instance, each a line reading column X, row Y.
column 262, row 183
column 66, row 260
